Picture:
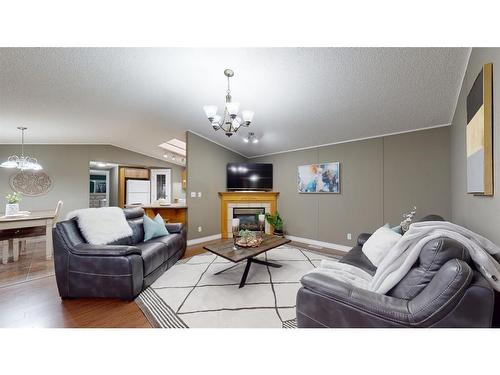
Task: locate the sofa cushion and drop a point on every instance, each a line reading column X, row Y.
column 154, row 227
column 379, row 243
column 158, row 250
column 174, row 243
column 153, row 255
column 433, row 256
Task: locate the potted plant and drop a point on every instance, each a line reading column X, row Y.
column 12, row 207
column 277, row 222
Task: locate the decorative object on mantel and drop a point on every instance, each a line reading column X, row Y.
column 21, row 162
column 229, row 122
column 479, row 133
column 12, row 206
column 407, row 219
column 319, row 178
column 235, row 223
column 262, row 223
column 277, row 222
column 31, row 183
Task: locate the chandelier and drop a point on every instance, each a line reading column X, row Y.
column 229, row 122
column 21, row 162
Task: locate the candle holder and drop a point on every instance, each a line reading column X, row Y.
column 236, row 232
column 262, row 221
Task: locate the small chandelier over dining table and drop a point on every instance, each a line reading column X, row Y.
column 21, row 162
column 229, row 122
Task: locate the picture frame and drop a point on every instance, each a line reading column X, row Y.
column 479, row 134
column 320, row 178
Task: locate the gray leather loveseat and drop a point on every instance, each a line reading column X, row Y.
column 121, row 269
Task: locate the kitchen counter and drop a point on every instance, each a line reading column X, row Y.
column 156, row 205
column 174, row 213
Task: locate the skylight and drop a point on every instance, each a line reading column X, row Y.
column 175, row 145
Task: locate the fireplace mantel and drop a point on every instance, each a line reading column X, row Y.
column 230, row 199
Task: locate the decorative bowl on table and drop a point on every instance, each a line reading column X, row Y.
column 247, row 238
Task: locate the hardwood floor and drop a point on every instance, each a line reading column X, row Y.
column 36, row 303
column 31, row 265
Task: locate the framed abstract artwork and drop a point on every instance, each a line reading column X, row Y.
column 319, row 178
column 479, row 131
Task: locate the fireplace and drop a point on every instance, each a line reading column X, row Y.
column 249, row 217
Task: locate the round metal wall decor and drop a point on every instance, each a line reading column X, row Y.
column 31, row 183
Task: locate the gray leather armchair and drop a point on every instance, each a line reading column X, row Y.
column 118, row 270
column 441, row 290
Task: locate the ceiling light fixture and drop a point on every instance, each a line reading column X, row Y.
column 21, row 162
column 229, row 122
column 251, row 138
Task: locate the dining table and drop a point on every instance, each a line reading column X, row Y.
column 16, row 224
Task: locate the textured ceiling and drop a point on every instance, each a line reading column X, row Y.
column 139, row 98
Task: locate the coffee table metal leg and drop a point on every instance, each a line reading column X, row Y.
column 226, row 269
column 265, row 263
column 245, row 273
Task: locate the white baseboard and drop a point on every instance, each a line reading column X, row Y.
column 196, row 241
column 328, row 245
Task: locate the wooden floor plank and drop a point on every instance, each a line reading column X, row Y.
column 36, row 303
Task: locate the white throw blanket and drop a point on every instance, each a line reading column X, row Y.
column 403, row 255
column 101, row 226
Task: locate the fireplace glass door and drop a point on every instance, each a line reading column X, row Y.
column 249, row 217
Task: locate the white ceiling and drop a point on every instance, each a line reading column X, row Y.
column 139, row 98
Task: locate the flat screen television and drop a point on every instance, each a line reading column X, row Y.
column 249, row 176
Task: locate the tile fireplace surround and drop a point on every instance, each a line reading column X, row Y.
column 245, row 199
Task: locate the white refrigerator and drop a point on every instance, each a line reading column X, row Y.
column 138, row 192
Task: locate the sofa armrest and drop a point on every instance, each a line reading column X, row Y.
column 86, row 249
column 362, row 238
column 348, row 306
column 174, row 227
column 442, row 294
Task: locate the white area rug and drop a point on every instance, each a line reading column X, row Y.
column 190, row 295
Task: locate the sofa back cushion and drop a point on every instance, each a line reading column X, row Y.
column 433, row 256
column 134, row 219
column 71, row 232
column 379, row 244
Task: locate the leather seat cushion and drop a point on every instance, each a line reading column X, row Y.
column 357, row 258
column 158, row 250
column 174, row 243
column 153, row 255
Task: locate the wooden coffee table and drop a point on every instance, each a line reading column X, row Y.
column 226, row 250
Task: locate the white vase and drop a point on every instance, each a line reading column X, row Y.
column 11, row 209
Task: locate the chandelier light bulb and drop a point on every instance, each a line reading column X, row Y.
column 247, row 117
column 9, row 164
column 232, row 109
column 210, row 111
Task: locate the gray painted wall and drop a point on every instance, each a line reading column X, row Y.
column 206, row 173
column 380, row 179
column 480, row 214
column 68, row 165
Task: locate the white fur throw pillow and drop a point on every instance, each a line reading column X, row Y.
column 100, row 226
column 379, row 244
